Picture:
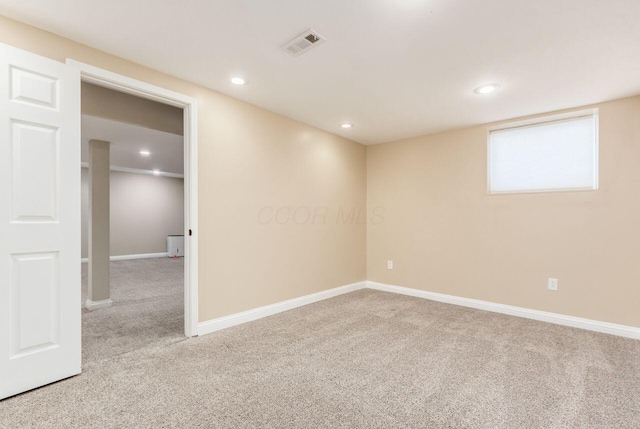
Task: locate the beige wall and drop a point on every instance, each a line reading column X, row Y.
column 144, row 210
column 118, row 106
column 250, row 158
column 445, row 234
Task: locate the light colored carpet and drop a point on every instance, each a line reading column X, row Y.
column 367, row 359
column 148, row 310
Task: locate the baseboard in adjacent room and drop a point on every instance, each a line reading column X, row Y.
column 544, row 316
column 97, row 305
column 269, row 310
column 138, row 256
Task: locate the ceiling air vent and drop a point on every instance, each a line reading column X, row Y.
column 303, row 43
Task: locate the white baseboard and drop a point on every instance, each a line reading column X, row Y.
column 544, row 316
column 127, row 257
column 97, row 305
column 268, row 310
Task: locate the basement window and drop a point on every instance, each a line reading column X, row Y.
column 558, row 153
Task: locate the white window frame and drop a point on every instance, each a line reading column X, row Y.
column 567, row 116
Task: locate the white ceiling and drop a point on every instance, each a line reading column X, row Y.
column 128, row 140
column 395, row 68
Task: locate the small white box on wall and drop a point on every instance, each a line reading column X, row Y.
column 175, row 246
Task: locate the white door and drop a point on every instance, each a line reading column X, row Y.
column 39, row 221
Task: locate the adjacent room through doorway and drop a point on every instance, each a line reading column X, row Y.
column 132, row 223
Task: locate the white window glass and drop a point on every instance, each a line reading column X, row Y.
column 551, row 156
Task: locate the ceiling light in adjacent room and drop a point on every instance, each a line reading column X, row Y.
column 238, row 81
column 487, row 89
column 145, row 153
column 347, row 125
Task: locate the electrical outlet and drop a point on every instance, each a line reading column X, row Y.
column 390, row 265
column 552, row 284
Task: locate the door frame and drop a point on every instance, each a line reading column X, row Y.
column 120, row 83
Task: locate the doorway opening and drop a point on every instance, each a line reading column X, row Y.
column 153, row 207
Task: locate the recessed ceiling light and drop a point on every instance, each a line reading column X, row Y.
column 347, row 125
column 238, row 81
column 487, row 89
column 156, row 172
column 145, row 153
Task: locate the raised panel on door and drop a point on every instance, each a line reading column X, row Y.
column 34, row 172
column 30, row 87
column 39, row 221
column 35, row 294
